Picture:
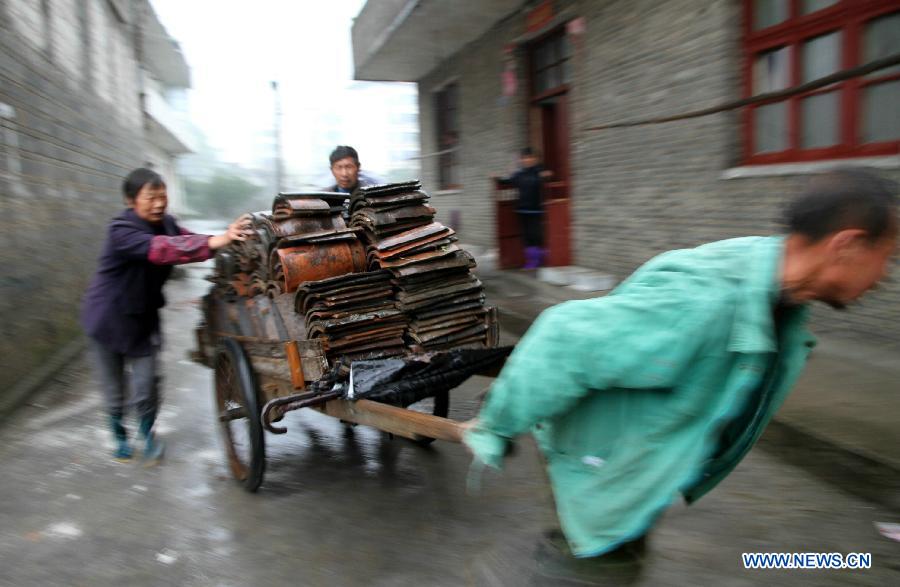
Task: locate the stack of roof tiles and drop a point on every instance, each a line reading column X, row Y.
column 384, row 210
column 240, row 270
column 254, row 266
column 435, row 286
column 418, row 294
column 444, row 301
column 355, row 315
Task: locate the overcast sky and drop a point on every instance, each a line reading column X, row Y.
column 235, row 48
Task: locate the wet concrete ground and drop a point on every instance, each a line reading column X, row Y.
column 355, row 508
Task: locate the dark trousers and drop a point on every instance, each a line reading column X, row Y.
column 532, row 229
column 144, row 382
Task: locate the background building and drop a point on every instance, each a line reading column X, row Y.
column 498, row 75
column 86, row 95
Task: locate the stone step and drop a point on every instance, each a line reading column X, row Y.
column 576, row 278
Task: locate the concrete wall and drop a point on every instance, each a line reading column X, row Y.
column 374, row 19
column 61, row 168
column 636, row 191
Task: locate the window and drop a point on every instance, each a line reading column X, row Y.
column 550, row 64
column 446, row 103
column 791, row 42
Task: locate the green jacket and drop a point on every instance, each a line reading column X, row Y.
column 628, row 394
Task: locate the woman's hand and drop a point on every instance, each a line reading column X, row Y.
column 238, row 230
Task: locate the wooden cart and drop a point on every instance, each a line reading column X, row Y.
column 258, row 381
column 324, row 283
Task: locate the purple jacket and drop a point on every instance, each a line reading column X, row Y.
column 121, row 306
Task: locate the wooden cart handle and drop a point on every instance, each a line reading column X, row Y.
column 399, row 421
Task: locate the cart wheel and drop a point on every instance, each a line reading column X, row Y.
column 239, row 415
column 440, row 406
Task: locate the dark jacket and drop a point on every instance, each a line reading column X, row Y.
column 121, row 306
column 361, row 182
column 529, row 182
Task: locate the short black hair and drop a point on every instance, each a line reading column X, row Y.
column 526, row 152
column 138, row 179
column 342, row 152
column 842, row 199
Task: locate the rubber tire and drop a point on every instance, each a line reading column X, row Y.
column 249, row 393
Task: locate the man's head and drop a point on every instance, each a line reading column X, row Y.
column 145, row 192
column 842, row 236
column 345, row 166
column 527, row 157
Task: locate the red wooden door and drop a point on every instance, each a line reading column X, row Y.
column 555, row 138
column 548, row 126
column 508, row 230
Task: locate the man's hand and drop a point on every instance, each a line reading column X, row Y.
column 465, row 427
column 468, row 425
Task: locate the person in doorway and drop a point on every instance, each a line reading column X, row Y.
column 665, row 384
column 120, row 309
column 528, row 180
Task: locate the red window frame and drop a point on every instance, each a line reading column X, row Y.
column 847, row 16
column 553, row 41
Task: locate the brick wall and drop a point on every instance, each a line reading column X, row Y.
column 101, row 18
column 27, row 17
column 492, row 131
column 67, row 38
column 643, row 190
column 60, row 174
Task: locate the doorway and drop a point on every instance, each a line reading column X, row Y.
column 550, row 60
column 549, row 65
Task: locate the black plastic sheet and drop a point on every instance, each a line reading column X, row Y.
column 405, row 381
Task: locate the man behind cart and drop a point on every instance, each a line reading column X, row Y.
column 664, row 385
column 348, row 178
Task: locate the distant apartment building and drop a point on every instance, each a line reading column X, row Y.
column 165, row 79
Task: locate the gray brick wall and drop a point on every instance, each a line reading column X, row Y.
column 637, row 191
column 60, row 173
column 491, row 134
column 67, row 38
column 28, row 19
column 643, row 190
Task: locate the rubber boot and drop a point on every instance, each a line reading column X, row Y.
column 153, row 447
column 531, row 258
column 120, row 436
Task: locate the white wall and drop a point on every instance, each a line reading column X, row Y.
column 28, row 18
